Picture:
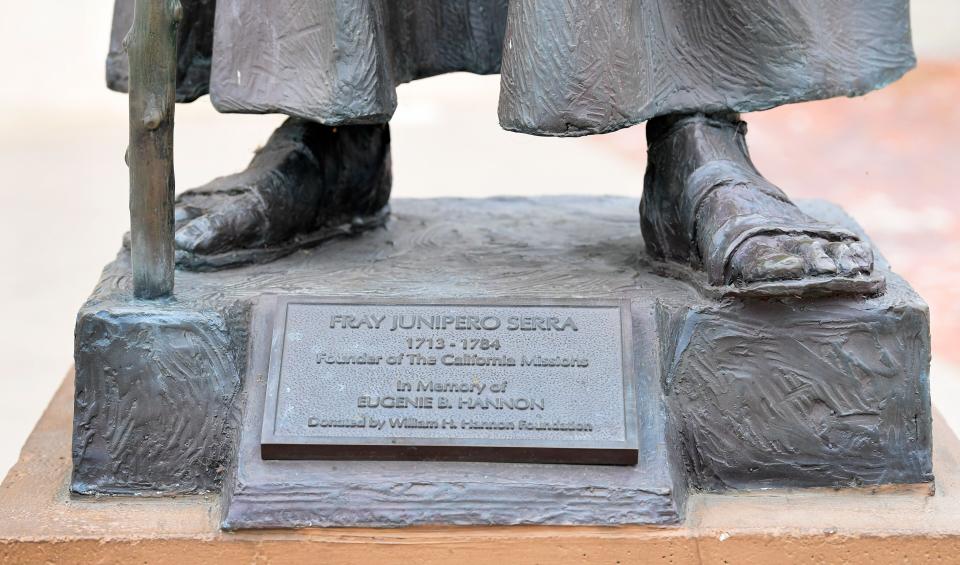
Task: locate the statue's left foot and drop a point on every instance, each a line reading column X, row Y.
column 705, row 204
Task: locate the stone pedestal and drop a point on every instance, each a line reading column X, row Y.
column 733, row 393
column 42, row 522
column 157, row 401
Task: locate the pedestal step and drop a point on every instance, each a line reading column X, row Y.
column 733, row 392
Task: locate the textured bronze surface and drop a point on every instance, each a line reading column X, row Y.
column 546, row 381
column 569, row 68
column 848, row 374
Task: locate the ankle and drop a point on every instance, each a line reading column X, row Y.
column 684, row 143
column 665, row 126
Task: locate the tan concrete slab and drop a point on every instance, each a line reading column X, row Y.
column 905, row 525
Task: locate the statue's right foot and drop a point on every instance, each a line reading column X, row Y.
column 310, row 182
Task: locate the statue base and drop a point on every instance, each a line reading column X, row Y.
column 908, row 524
column 732, row 392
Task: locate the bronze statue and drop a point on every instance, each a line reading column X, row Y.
column 177, row 395
column 686, row 67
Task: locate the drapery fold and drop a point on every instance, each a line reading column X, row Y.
column 568, row 67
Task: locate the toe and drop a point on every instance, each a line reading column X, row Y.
column 199, row 235
column 210, row 233
column 237, row 223
column 815, row 257
column 852, row 257
column 862, row 255
column 774, row 265
column 764, row 259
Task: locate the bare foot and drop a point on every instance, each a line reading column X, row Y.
column 308, row 176
column 705, row 204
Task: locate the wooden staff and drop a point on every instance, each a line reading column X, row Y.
column 152, row 49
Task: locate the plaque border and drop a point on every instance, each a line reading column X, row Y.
column 284, row 447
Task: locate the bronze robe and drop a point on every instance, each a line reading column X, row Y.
column 568, row 67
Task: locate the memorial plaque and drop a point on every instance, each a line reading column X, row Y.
column 537, row 382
